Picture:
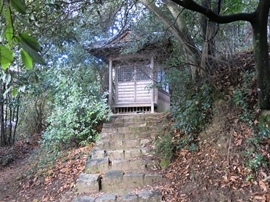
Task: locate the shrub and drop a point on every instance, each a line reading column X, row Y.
column 75, row 116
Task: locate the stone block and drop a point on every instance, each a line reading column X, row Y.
column 116, row 144
column 106, row 198
column 104, row 143
column 120, row 164
column 128, row 198
column 115, row 153
column 88, row 183
column 109, row 130
column 132, row 180
column 144, row 141
column 150, row 196
column 145, row 150
column 152, row 178
column 97, row 165
column 130, row 153
column 118, row 136
column 137, row 164
column 83, row 199
column 97, row 153
column 112, row 179
column 123, row 130
column 104, row 135
column 131, row 143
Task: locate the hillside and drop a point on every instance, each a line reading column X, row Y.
column 224, row 167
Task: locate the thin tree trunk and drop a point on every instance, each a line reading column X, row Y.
column 2, row 143
column 16, row 116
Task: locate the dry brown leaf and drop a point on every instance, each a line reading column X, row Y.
column 234, row 178
column 225, row 178
column 263, row 186
column 261, row 198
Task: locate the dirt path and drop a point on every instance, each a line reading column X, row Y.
column 10, row 177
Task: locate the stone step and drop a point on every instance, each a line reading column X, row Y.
column 127, row 136
column 142, row 196
column 130, row 130
column 129, row 123
column 136, row 118
column 121, row 161
column 109, row 144
column 98, row 153
column 142, row 164
column 115, row 181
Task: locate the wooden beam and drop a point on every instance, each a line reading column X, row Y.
column 152, row 90
column 110, row 82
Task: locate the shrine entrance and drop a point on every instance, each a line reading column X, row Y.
column 132, row 77
column 134, row 83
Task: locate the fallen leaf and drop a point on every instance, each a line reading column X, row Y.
column 263, row 186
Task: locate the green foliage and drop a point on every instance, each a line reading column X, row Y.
column 255, row 161
column 75, row 115
column 19, row 5
column 241, row 97
column 32, row 120
column 31, row 47
column 6, row 57
column 27, row 60
column 191, row 113
column 11, row 37
column 42, row 160
column 165, row 146
column 263, row 126
column 78, row 106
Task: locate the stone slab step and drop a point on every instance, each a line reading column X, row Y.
column 130, row 165
column 118, row 182
column 127, row 136
column 136, row 164
column 115, row 181
column 98, row 153
column 122, row 144
column 130, row 123
column 135, row 117
column 142, row 196
column 89, row 183
column 130, row 130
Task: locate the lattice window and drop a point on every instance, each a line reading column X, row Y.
column 143, row 72
column 125, row 73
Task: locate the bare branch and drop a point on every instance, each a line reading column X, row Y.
column 193, row 6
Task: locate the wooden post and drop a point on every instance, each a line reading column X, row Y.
column 152, row 90
column 116, row 83
column 110, row 82
column 135, row 83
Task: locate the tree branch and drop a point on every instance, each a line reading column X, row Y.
column 193, row 6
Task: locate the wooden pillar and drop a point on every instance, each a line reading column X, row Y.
column 135, row 84
column 110, row 82
column 152, row 90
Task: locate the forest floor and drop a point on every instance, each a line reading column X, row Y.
column 216, row 171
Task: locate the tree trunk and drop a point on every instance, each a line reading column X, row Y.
column 179, row 30
column 259, row 26
column 2, row 125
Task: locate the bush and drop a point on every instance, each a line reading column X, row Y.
column 75, row 115
column 165, row 146
column 190, row 110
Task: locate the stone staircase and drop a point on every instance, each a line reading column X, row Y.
column 121, row 167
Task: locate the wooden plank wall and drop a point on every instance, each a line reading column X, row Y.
column 130, row 92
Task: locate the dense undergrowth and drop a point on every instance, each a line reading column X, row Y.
column 192, row 109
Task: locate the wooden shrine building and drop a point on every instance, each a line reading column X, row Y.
column 132, row 75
